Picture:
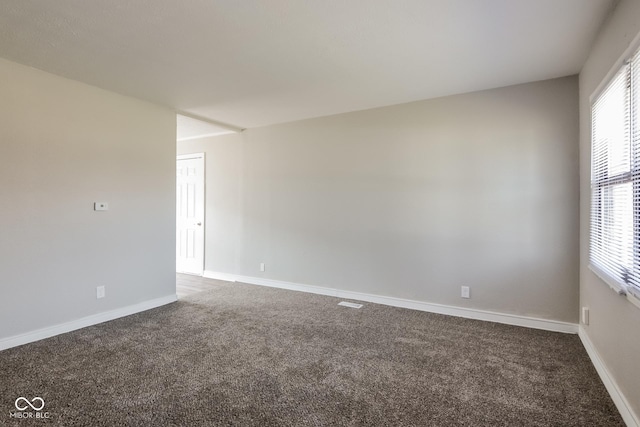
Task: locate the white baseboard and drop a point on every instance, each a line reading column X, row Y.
column 94, row 319
column 469, row 313
column 629, row 417
column 219, row 276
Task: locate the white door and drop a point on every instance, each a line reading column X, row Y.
column 190, row 214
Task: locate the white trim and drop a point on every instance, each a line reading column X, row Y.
column 219, row 276
column 633, row 299
column 205, row 135
column 626, row 412
column 620, row 62
column 83, row 322
column 320, row 290
column 615, row 286
column 469, row 313
column 227, row 126
column 190, row 156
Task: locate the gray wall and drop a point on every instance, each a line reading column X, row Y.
column 614, row 321
column 64, row 145
column 411, row 201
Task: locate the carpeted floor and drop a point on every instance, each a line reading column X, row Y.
column 247, row 355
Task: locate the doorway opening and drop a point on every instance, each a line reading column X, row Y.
column 190, row 207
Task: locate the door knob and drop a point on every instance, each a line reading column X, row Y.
column 199, row 223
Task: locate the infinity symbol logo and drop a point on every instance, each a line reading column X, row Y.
column 32, row 404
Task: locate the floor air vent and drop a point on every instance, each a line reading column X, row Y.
column 350, row 304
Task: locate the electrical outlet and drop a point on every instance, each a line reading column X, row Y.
column 100, row 292
column 101, row 206
column 465, row 292
column 585, row 315
column 262, row 266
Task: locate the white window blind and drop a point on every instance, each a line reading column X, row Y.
column 615, row 180
column 634, row 107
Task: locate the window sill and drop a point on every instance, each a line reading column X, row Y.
column 617, row 287
column 632, row 295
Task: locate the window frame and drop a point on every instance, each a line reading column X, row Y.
column 623, row 287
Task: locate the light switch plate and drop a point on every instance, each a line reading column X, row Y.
column 585, row 315
column 101, row 206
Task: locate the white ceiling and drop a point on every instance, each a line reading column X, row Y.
column 255, row 62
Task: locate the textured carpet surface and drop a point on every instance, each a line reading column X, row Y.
column 247, row 355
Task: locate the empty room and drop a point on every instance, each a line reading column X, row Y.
column 320, row 213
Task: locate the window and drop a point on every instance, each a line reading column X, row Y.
column 614, row 252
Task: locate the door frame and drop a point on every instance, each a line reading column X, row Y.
column 202, row 157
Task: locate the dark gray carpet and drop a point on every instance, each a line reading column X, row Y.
column 254, row 356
